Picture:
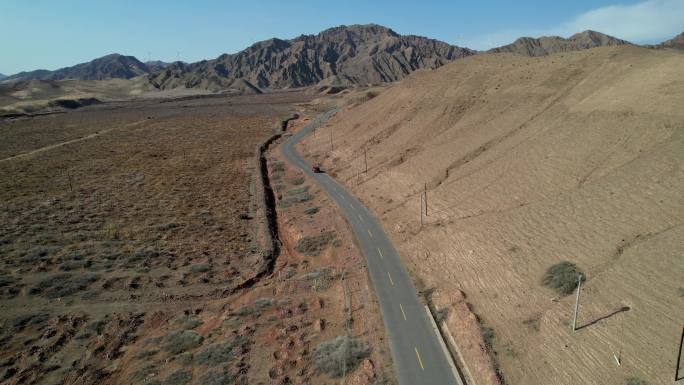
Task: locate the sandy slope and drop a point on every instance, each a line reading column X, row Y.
column 531, row 161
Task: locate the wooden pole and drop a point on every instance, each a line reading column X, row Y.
column 426, row 211
column 421, row 210
column 574, row 317
column 365, row 158
column 679, row 356
column 331, row 141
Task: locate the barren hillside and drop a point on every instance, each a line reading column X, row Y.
column 528, row 162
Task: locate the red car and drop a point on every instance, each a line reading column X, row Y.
column 316, row 169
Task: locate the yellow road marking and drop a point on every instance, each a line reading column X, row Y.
column 419, row 360
column 390, row 277
column 369, row 232
column 380, row 252
column 402, row 311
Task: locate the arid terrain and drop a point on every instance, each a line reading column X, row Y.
column 528, row 163
column 130, row 253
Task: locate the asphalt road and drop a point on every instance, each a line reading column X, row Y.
column 419, row 358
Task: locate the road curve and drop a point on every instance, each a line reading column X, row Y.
column 419, row 358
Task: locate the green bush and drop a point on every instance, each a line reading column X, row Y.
column 562, row 277
column 340, row 355
column 314, row 244
column 182, row 340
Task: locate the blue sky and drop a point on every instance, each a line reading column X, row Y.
column 52, row 34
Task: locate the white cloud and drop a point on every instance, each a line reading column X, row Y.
column 645, row 22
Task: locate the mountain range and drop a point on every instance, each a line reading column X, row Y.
column 344, row 55
column 357, row 54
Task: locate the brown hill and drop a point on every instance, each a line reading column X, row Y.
column 107, row 67
column 546, row 45
column 529, row 162
column 676, row 42
column 357, row 54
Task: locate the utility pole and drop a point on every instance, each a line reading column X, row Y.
column 331, row 141
column 365, row 158
column 679, row 356
column 574, row 317
column 426, row 212
column 421, row 210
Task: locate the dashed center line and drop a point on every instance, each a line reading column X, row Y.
column 402, row 311
column 380, row 252
column 390, row 277
column 419, row 360
column 360, row 217
column 369, row 232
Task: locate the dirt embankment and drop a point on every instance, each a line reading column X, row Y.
column 530, row 162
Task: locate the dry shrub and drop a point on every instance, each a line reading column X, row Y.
column 182, row 340
column 314, row 244
column 340, row 356
column 562, row 277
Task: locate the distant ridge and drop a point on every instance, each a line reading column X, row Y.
column 2, row 76
column 106, row 67
column 676, row 42
column 545, row 45
column 356, row 54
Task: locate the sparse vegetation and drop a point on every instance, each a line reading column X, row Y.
column 343, row 352
column 21, row 322
column 562, row 277
column 190, row 322
column 488, row 336
column 264, row 302
column 182, row 340
column 297, row 181
column 217, row 378
column 200, row 268
column 179, row 377
column 532, row 323
column 311, row 210
column 294, row 199
column 219, row 353
column 313, row 245
column 63, row 285
column 635, row 381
